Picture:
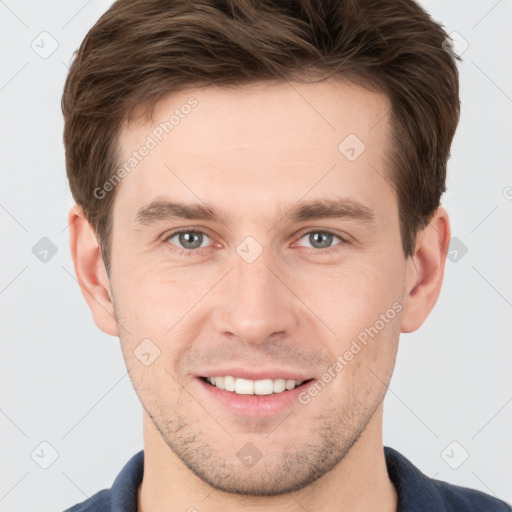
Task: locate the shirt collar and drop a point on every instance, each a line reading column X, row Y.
column 125, row 489
column 415, row 490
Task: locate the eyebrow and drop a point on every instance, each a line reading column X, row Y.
column 163, row 210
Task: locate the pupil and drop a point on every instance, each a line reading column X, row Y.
column 325, row 236
column 185, row 240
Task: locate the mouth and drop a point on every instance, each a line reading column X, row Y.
column 268, row 393
column 239, row 386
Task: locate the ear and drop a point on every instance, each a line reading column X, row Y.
column 425, row 271
column 90, row 271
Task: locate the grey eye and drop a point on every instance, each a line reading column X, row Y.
column 320, row 239
column 189, row 239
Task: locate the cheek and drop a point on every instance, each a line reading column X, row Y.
column 155, row 298
column 362, row 360
column 158, row 311
column 362, row 305
column 349, row 297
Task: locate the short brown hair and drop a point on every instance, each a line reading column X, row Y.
column 140, row 51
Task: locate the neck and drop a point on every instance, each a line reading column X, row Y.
column 359, row 483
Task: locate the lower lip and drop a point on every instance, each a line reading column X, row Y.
column 253, row 405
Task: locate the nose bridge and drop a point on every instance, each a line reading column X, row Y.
column 255, row 302
column 253, row 281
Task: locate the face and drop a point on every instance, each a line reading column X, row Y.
column 282, row 264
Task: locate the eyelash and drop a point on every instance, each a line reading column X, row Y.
column 202, row 250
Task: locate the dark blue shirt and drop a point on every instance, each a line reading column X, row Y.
column 416, row 492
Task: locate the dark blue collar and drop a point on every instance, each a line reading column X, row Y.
column 416, row 492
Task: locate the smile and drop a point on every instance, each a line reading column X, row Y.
column 253, row 387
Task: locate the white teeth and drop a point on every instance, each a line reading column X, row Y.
column 229, row 383
column 263, row 387
column 253, row 387
column 244, row 387
column 279, row 385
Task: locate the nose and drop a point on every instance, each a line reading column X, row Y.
column 255, row 304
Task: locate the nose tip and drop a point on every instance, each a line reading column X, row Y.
column 255, row 305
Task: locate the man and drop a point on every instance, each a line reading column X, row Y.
column 258, row 219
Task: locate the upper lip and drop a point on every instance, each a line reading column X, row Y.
column 244, row 373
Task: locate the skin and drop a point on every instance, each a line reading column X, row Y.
column 255, row 152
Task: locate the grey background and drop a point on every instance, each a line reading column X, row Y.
column 64, row 382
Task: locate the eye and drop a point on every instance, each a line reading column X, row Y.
column 189, row 241
column 322, row 239
column 194, row 242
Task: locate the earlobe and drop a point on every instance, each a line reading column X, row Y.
column 90, row 271
column 425, row 271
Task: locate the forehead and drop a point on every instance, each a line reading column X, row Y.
column 260, row 142
column 269, row 114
